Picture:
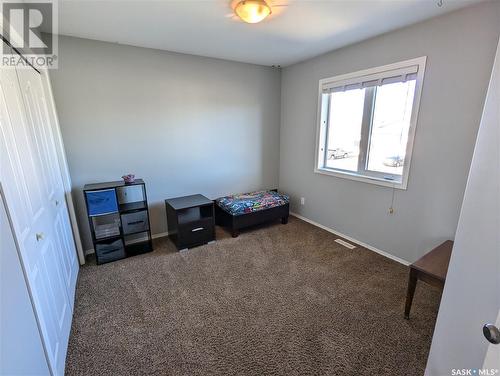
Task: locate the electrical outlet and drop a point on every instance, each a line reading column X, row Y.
column 302, row 201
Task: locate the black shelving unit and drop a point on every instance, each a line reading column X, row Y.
column 119, row 219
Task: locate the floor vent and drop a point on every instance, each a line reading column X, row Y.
column 345, row 244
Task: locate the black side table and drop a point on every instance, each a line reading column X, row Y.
column 191, row 221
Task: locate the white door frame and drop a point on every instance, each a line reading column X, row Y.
column 471, row 295
column 63, row 163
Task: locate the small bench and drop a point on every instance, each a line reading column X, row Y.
column 431, row 268
column 249, row 209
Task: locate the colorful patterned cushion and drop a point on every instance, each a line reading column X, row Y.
column 251, row 202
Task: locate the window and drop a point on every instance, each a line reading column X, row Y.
column 367, row 122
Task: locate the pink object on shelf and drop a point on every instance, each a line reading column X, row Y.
column 130, row 178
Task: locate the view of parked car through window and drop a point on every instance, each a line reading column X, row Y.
column 390, row 107
column 344, row 131
column 390, row 125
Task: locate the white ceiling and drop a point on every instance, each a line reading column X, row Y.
column 295, row 31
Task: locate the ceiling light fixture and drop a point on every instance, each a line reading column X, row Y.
column 252, row 11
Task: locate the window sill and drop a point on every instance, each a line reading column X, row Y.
column 362, row 178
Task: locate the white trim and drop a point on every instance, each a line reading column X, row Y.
column 153, row 236
column 359, row 177
column 351, row 239
column 159, row 235
column 321, row 124
column 364, row 245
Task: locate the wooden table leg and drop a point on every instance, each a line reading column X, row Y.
column 412, row 284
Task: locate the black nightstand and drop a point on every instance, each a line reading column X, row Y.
column 190, row 220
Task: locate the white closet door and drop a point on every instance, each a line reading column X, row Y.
column 30, row 193
column 36, row 104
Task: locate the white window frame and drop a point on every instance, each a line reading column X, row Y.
column 322, row 126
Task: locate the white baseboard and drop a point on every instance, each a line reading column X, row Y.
column 159, row 235
column 153, row 236
column 351, row 239
column 367, row 246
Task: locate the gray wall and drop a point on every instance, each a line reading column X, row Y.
column 185, row 124
column 460, row 48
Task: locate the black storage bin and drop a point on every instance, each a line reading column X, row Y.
column 110, row 251
column 135, row 222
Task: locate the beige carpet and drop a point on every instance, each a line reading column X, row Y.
column 277, row 300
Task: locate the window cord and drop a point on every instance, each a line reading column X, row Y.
column 391, row 208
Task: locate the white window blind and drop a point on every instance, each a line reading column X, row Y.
column 376, row 79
